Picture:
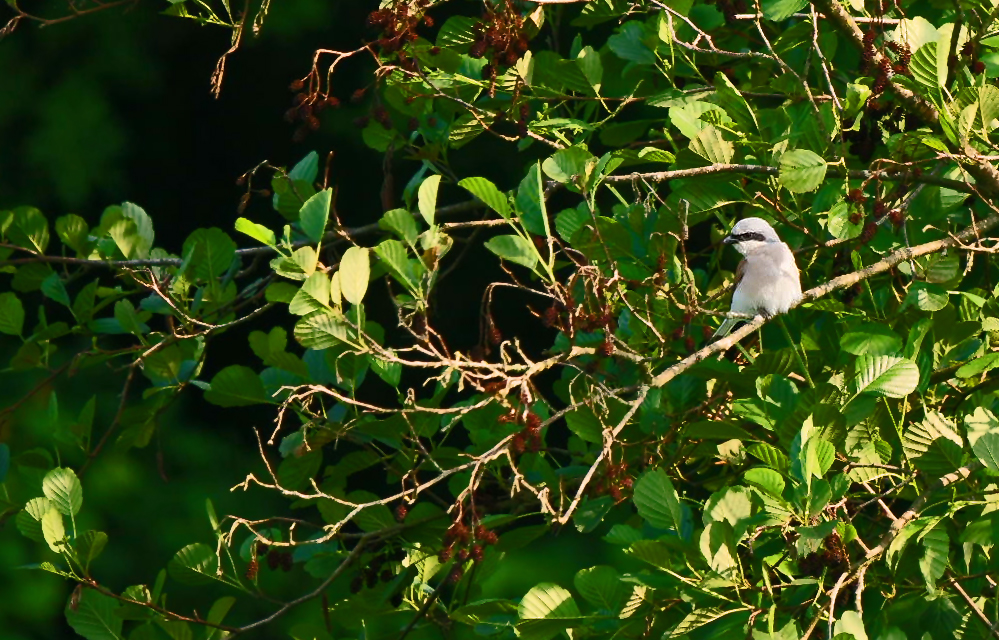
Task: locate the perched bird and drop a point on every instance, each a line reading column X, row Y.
column 766, row 282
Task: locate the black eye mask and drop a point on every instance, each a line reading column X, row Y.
column 743, row 237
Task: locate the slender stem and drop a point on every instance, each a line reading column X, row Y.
column 797, row 356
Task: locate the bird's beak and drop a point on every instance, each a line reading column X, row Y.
column 729, row 240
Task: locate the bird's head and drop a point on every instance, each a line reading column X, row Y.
column 749, row 234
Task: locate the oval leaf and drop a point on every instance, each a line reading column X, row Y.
column 236, row 386
column 887, row 376
column 194, row 564
column 515, row 249
column 314, row 214
column 63, row 489
column 355, row 271
column 657, row 500
column 488, row 193
column 428, row 198
column 802, row 170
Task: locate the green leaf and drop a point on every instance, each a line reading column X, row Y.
column 258, row 232
column 72, row 231
column 402, row 223
column 732, row 505
column 657, row 500
column 766, row 479
column 306, row 169
column 546, row 601
column 128, row 318
column 839, row 224
column 217, row 614
column 515, row 249
column 851, row 623
column 280, row 292
column 295, row 470
column 531, row 202
column 55, row 289
column 30, row 229
column 210, row 252
column 585, row 424
column 769, row 455
column 313, row 296
column 697, row 619
column 393, row 253
column 978, row 366
column 887, row 376
column 589, row 63
column 11, row 314
column 54, row 530
column 717, row 545
column 871, row 339
column 936, row 548
column 654, row 154
column 193, row 565
column 629, row 43
column 570, row 221
column 236, row 386
column 817, row 456
column 355, row 271
column 457, row 31
column 982, row 531
column 324, row 329
column 95, row 616
column 567, row 163
column 986, row 449
column 591, row 512
column 923, row 66
column 933, row 445
column 801, row 171
column 926, row 297
column 778, row 10
column 29, row 519
column 90, row 545
column 63, row 489
column 710, row 145
column 143, row 229
column 428, row 198
column 482, row 610
column 315, row 213
column 390, row 372
column 487, row 192
column 601, row 586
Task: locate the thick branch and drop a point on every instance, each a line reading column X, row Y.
column 860, row 174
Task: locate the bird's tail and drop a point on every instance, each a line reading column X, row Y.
column 725, row 328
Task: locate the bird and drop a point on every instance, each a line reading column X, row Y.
column 767, row 280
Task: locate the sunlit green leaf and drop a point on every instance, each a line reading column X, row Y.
column 428, row 198
column 355, row 271
column 63, row 489
column 256, row 231
column 315, row 213
column 515, row 249
column 802, row 171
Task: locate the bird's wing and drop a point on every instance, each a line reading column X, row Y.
column 740, row 271
column 729, row 323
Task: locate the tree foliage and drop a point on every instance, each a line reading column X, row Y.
column 835, row 476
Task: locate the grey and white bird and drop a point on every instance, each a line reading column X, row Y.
column 767, row 280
